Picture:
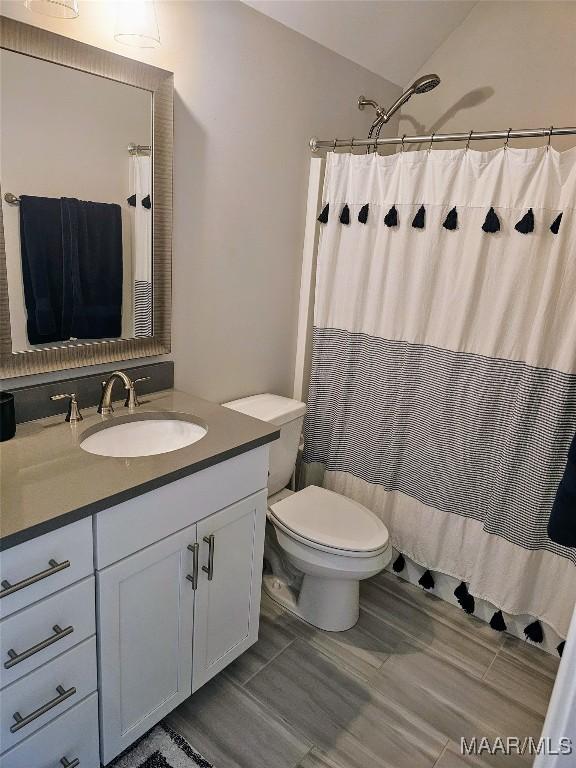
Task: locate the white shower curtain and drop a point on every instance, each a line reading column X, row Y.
column 141, row 188
column 443, row 384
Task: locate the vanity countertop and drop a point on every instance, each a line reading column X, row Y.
column 47, row 480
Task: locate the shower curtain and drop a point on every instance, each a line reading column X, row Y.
column 140, row 188
column 443, row 382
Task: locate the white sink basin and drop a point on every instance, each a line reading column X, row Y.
column 142, row 437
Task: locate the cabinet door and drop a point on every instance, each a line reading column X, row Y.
column 146, row 611
column 227, row 605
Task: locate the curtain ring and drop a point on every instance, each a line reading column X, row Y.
column 403, row 137
column 507, row 138
column 334, row 148
column 352, row 144
column 549, row 138
column 468, row 142
column 431, row 142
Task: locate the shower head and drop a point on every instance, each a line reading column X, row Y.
column 421, row 85
column 425, row 83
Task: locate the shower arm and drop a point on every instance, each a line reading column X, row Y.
column 382, row 115
column 422, row 84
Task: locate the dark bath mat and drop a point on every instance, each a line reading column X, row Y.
column 161, row 747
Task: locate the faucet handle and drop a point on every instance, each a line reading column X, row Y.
column 132, row 396
column 73, row 414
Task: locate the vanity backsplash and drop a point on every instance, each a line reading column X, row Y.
column 33, row 402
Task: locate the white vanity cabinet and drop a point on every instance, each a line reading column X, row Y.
column 173, row 615
column 186, row 603
column 108, row 623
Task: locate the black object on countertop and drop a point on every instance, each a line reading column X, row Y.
column 7, row 416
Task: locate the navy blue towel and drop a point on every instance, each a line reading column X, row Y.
column 71, row 268
column 42, row 270
column 92, row 247
column 562, row 523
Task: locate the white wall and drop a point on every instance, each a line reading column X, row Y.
column 249, row 95
column 65, row 134
column 508, row 65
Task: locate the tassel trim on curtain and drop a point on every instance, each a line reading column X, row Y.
column 491, row 223
column 533, row 631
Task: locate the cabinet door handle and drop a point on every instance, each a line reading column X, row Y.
column 70, row 763
column 194, row 548
column 210, row 569
column 16, row 658
column 9, row 589
column 22, row 721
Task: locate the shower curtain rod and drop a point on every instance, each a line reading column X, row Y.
column 526, row 133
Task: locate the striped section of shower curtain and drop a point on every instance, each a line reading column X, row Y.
column 443, row 382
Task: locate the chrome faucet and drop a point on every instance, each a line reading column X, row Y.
column 105, row 406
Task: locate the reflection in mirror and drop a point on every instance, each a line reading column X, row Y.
column 76, row 177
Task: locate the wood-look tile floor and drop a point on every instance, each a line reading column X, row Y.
column 399, row 690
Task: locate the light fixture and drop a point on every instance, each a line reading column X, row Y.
column 63, row 9
column 136, row 24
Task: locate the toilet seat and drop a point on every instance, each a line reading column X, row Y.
column 330, row 522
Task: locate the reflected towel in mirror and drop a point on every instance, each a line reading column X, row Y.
column 42, row 274
column 92, row 246
column 71, row 254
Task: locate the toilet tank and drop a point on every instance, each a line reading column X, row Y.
column 285, row 413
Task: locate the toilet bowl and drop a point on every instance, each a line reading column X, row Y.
column 335, row 542
column 331, row 541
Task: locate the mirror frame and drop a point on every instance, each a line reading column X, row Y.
column 32, row 41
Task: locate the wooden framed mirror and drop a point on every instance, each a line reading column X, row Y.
column 86, row 218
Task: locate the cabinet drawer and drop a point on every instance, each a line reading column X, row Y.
column 73, row 735
column 139, row 522
column 43, row 565
column 47, row 692
column 45, row 630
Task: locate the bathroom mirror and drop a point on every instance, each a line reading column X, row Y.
column 86, row 183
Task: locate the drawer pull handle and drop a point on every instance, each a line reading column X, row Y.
column 210, row 569
column 70, row 763
column 194, row 548
column 22, row 721
column 16, row 658
column 9, row 589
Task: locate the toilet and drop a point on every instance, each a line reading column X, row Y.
column 330, row 541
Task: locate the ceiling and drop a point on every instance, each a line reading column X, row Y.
column 393, row 38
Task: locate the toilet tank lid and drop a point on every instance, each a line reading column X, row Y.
column 274, row 409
